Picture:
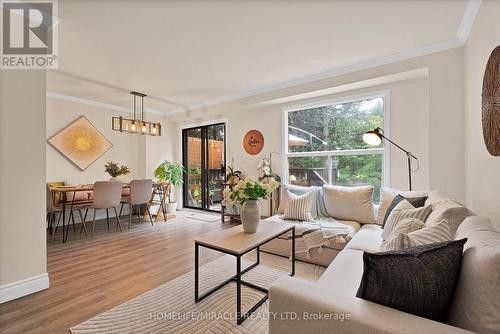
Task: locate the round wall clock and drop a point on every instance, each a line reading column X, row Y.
column 253, row 142
column 491, row 103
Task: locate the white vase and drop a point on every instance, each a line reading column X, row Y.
column 250, row 216
column 171, row 207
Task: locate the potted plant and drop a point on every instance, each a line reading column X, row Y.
column 170, row 173
column 115, row 171
column 247, row 192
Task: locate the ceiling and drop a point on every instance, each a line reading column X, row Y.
column 189, row 53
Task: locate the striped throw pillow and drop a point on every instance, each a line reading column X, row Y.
column 404, row 210
column 299, row 207
column 424, row 236
column 405, row 226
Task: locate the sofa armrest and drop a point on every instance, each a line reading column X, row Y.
column 296, row 306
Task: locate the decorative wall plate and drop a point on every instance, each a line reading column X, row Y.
column 253, row 142
column 81, row 143
column 491, row 103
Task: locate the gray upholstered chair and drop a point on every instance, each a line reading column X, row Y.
column 107, row 195
column 140, row 194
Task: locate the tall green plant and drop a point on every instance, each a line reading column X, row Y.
column 170, row 172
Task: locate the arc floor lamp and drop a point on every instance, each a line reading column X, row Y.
column 376, row 136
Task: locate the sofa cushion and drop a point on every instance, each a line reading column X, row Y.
column 299, row 206
column 418, row 280
column 367, row 239
column 423, row 236
column 344, row 274
column 404, row 210
column 453, row 212
column 318, row 206
column 437, row 196
column 349, row 203
column 476, row 303
column 387, row 195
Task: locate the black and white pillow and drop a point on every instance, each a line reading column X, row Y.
column 418, row 280
column 299, row 207
column 417, row 202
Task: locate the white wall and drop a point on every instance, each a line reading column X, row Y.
column 426, row 117
column 127, row 148
column 23, row 263
column 482, row 169
column 140, row 153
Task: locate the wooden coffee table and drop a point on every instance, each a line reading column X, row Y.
column 235, row 242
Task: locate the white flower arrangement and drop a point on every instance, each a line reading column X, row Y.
column 249, row 189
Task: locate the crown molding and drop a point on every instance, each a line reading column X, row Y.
column 465, row 26
column 471, row 9
column 103, row 105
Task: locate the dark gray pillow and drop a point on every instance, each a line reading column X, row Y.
column 415, row 201
column 418, row 280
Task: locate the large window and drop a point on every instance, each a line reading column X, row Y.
column 324, row 143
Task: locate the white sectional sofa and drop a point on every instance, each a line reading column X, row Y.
column 475, row 306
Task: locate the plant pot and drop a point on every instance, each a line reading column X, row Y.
column 250, row 216
column 171, row 207
column 114, row 178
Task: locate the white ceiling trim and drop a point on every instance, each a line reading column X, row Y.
column 463, row 31
column 471, row 9
column 407, row 75
column 98, row 104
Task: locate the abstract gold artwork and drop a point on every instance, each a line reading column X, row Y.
column 81, row 143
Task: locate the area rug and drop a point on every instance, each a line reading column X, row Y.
column 170, row 308
column 204, row 218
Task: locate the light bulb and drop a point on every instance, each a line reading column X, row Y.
column 154, row 129
column 143, row 127
column 372, row 138
column 132, row 127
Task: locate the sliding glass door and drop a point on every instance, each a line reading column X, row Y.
column 204, row 158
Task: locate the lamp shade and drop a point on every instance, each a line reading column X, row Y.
column 372, row 138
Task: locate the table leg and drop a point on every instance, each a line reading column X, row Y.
column 64, row 234
column 293, row 252
column 196, row 250
column 239, row 319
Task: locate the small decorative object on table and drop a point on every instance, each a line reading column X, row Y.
column 246, row 193
column 115, row 171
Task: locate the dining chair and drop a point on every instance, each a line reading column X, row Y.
column 140, row 194
column 107, row 195
column 54, row 212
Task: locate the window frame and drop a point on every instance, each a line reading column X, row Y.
column 384, row 151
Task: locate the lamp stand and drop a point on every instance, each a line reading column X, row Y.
column 408, row 154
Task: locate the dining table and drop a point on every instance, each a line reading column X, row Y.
column 65, row 192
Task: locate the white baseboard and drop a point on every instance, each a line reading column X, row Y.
column 23, row 287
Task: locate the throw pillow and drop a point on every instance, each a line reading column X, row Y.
column 404, row 210
column 418, row 280
column 405, row 226
column 299, row 190
column 387, row 195
column 417, row 202
column 423, row 236
column 350, row 203
column 453, row 212
column 299, row 207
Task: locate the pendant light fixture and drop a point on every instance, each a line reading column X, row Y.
column 136, row 125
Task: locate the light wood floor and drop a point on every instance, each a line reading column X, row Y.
column 88, row 277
